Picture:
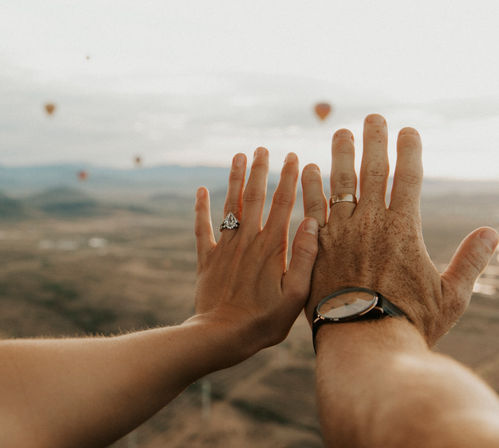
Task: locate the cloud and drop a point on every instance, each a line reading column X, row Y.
column 204, row 119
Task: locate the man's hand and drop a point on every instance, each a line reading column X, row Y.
column 382, row 248
column 244, row 285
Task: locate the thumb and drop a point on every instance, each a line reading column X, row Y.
column 470, row 260
column 296, row 284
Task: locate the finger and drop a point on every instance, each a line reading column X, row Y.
column 254, row 194
column 284, row 199
column 469, row 261
column 343, row 178
column 296, row 284
column 408, row 176
column 205, row 240
column 314, row 200
column 374, row 168
column 234, row 198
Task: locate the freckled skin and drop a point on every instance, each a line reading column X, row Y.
column 378, row 382
column 378, row 247
column 384, row 252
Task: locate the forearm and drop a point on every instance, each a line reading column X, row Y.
column 89, row 392
column 379, row 385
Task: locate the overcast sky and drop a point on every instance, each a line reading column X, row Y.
column 193, row 82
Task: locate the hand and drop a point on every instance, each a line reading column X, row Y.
column 382, row 248
column 243, row 283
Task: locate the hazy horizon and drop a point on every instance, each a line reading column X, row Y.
column 76, row 166
column 194, row 83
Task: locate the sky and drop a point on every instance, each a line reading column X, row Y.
column 193, row 82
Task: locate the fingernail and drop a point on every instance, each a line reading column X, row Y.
column 375, row 119
column 490, row 239
column 200, row 193
column 238, row 160
column 259, row 151
column 290, row 157
column 312, row 167
column 311, row 226
column 409, row 131
column 343, row 133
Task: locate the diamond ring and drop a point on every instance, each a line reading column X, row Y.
column 229, row 223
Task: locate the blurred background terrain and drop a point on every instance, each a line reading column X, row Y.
column 80, row 259
column 113, row 112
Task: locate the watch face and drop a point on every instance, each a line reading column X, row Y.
column 346, row 305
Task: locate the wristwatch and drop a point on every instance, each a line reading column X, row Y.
column 350, row 305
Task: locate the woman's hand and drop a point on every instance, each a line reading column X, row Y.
column 244, row 284
column 101, row 388
column 370, row 245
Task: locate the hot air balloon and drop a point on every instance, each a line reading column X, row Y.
column 82, row 175
column 322, row 110
column 49, row 108
column 138, row 161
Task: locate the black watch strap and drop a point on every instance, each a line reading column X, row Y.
column 389, row 308
column 382, row 309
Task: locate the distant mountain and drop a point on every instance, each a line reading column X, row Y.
column 57, row 195
column 11, row 209
column 65, row 202
column 146, row 182
column 108, row 181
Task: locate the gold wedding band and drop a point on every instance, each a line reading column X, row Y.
column 346, row 197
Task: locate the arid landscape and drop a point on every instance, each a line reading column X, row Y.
column 88, row 260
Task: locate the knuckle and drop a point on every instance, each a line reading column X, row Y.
column 377, row 170
column 345, row 149
column 311, row 177
column 236, row 175
column 475, row 261
column 282, row 198
column 259, row 164
column 251, row 196
column 325, row 239
column 410, row 177
column 305, row 251
column 347, row 180
column 316, row 205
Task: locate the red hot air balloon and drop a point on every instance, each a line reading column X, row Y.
column 322, row 110
column 49, row 108
column 82, row 175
